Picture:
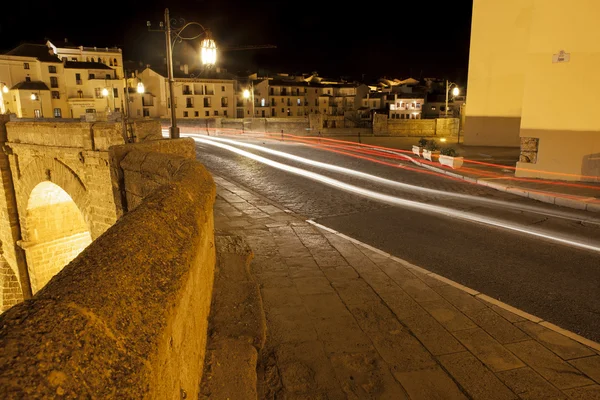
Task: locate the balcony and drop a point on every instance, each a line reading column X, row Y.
column 188, row 92
column 79, row 82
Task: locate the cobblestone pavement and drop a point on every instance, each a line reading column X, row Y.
column 347, row 322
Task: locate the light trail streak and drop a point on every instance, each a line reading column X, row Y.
column 406, row 186
column 398, row 201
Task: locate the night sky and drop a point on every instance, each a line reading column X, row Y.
column 336, row 39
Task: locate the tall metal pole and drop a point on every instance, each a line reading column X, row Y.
column 173, row 130
column 446, row 109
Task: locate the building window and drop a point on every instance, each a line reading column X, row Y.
column 74, row 59
column 37, row 113
column 53, row 82
column 222, row 88
column 90, row 111
column 107, row 76
column 55, row 94
column 418, row 106
column 283, row 110
column 272, row 112
column 51, row 69
column 186, row 89
column 262, row 102
column 282, row 100
column 111, row 64
column 207, row 113
column 26, row 65
column 224, row 101
column 207, row 102
column 92, row 76
column 189, row 102
column 216, row 113
column 115, row 62
column 57, row 113
column 80, row 94
column 432, row 108
column 78, row 79
column 27, row 79
column 196, row 114
column 224, row 113
column 115, row 92
column 98, row 92
column 185, row 114
column 298, row 102
column 146, row 111
column 289, row 112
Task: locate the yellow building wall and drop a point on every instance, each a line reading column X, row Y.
column 561, row 100
column 499, row 43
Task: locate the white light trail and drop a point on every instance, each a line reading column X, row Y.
column 398, row 201
column 406, row 186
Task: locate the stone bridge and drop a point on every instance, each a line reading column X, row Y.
column 56, row 197
column 111, row 246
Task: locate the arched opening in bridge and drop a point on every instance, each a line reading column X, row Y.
column 55, row 232
column 10, row 288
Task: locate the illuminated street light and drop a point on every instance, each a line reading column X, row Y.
column 455, row 92
column 140, row 88
column 208, row 56
column 4, row 88
column 246, row 94
column 105, row 92
column 33, row 96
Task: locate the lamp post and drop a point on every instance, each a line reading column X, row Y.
column 208, row 56
column 37, row 97
column 249, row 94
column 455, row 92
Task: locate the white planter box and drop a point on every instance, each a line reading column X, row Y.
column 452, row 162
column 416, row 150
column 430, row 155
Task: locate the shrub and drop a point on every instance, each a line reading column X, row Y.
column 449, row 151
column 422, row 142
column 431, row 145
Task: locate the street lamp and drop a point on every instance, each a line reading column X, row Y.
column 140, row 88
column 208, row 56
column 248, row 94
column 455, row 92
column 4, row 88
column 36, row 97
column 105, row 94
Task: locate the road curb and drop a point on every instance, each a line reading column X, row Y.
column 468, row 290
column 576, row 202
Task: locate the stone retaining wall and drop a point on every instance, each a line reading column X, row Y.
column 128, row 317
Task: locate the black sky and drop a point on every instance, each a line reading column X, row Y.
column 386, row 38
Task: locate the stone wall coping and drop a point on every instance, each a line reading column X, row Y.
column 103, row 327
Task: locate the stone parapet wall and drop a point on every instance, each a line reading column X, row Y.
column 383, row 126
column 128, row 317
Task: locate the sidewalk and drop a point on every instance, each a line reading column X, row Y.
column 345, row 321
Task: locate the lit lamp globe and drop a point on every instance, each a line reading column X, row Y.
column 5, row 89
column 246, row 94
column 208, row 52
column 455, row 91
column 33, row 96
column 105, row 92
column 140, row 88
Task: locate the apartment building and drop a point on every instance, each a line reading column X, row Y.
column 196, row 95
column 35, row 82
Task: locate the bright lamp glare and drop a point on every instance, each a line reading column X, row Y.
column 5, row 89
column 208, row 52
column 246, row 94
column 33, row 96
column 455, row 91
column 105, row 92
column 140, row 88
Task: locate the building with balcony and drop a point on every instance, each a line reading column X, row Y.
column 35, row 82
column 204, row 94
column 404, row 105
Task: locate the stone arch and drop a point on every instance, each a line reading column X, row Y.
column 54, row 232
column 43, row 169
column 10, row 288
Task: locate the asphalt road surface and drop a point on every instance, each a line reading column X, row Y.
column 539, row 258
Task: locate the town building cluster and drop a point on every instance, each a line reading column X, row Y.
column 62, row 80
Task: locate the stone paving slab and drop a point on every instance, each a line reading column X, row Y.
column 346, row 321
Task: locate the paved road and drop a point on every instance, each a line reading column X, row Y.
column 555, row 281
